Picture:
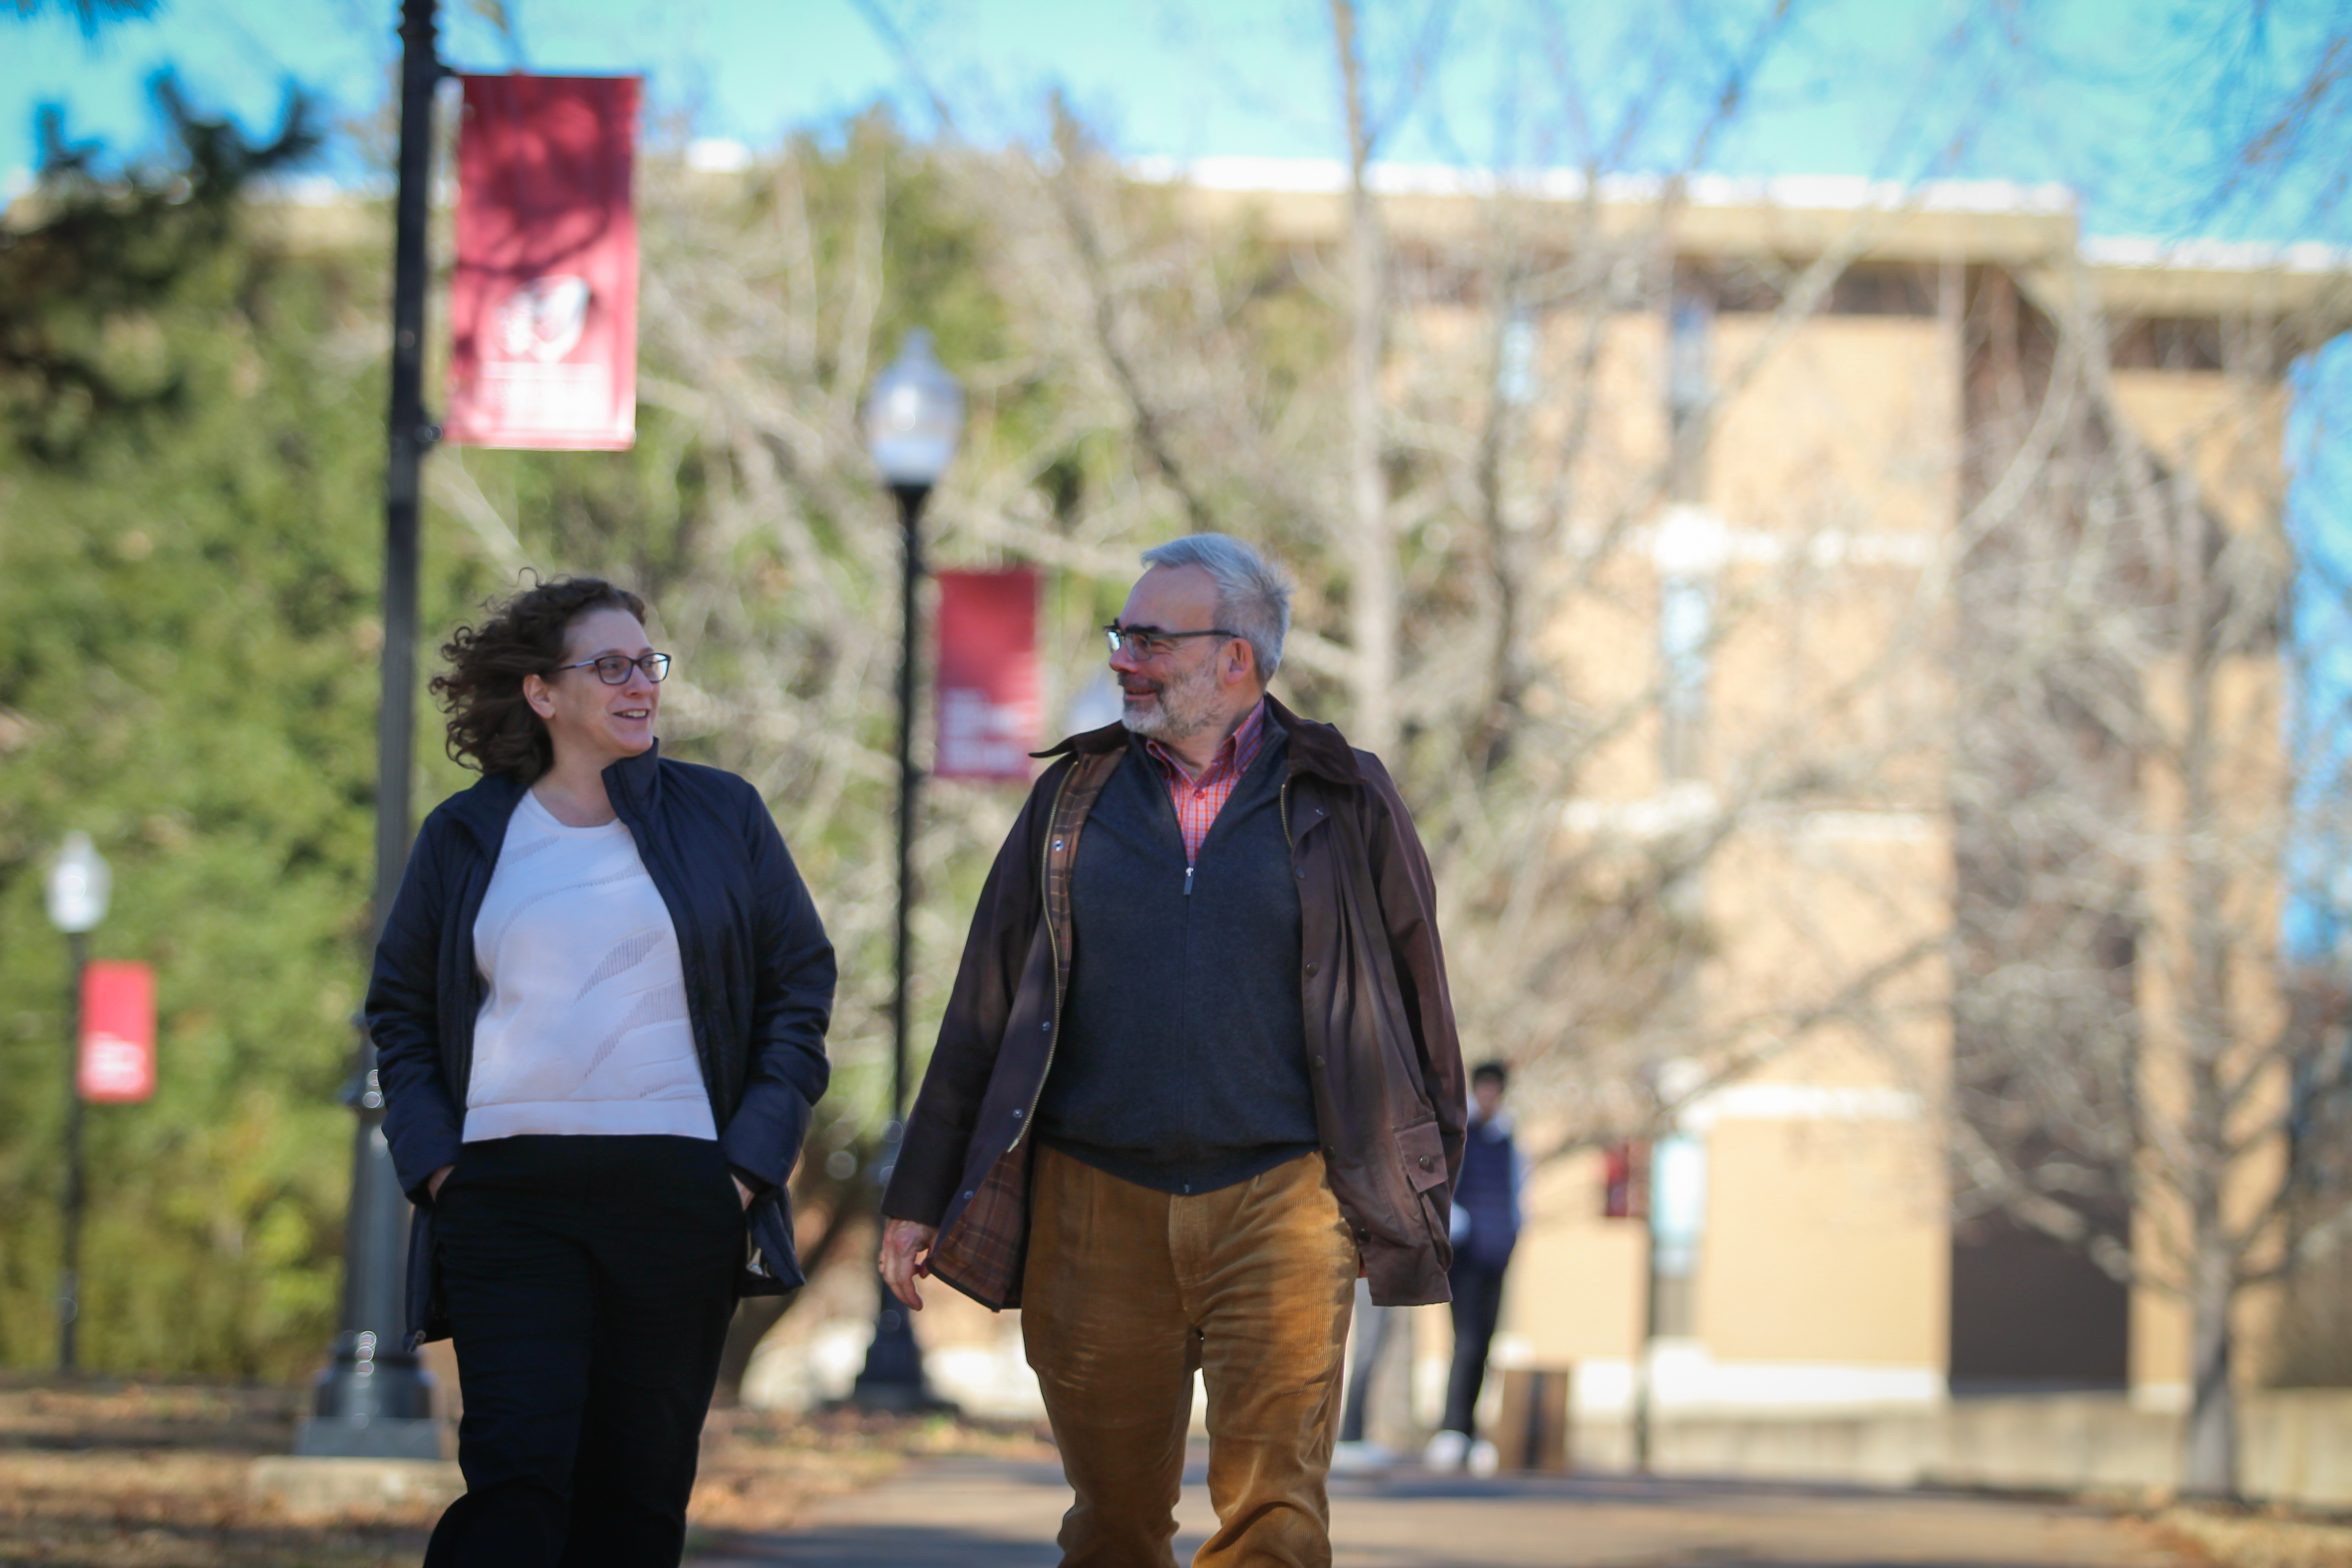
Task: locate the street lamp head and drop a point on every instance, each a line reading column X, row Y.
column 78, row 884
column 914, row 415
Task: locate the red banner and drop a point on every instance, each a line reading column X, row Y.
column 988, row 675
column 117, row 1062
column 543, row 302
column 1621, row 1182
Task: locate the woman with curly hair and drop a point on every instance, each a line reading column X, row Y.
column 599, row 1009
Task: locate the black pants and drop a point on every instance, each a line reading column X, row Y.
column 1477, row 1307
column 589, row 1282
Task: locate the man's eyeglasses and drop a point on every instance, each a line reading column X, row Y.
column 1151, row 642
column 613, row 669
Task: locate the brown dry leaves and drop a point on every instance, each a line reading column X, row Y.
column 2255, row 1539
column 126, row 1475
column 149, row 1508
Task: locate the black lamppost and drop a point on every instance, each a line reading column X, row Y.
column 78, row 886
column 374, row 1401
column 913, row 416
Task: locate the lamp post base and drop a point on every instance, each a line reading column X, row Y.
column 893, row 1377
column 371, row 1403
column 349, row 1438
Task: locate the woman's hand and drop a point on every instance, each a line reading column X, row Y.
column 905, row 1252
column 433, row 1183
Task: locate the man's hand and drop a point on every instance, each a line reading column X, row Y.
column 433, row 1183
column 740, row 1190
column 907, row 1253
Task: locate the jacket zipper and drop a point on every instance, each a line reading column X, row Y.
column 754, row 1259
column 1052, row 939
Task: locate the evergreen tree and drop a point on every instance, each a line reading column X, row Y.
column 190, row 474
column 192, row 393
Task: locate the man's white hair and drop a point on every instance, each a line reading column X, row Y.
column 1253, row 594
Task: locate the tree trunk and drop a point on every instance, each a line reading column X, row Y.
column 754, row 1316
column 847, row 1209
column 1369, row 551
column 2208, row 1459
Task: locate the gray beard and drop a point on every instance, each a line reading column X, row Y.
column 1183, row 709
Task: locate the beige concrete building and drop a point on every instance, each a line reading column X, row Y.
column 1796, row 483
column 1792, row 435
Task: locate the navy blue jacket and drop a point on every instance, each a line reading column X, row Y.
column 759, row 989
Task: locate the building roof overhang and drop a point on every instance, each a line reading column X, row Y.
column 2035, row 230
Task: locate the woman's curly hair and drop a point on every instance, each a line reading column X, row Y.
column 491, row 728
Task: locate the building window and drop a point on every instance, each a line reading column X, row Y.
column 1685, row 628
column 1677, row 1227
column 1690, row 383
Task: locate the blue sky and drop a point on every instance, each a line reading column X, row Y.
column 2090, row 92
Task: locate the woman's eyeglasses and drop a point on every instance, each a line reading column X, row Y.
column 613, row 669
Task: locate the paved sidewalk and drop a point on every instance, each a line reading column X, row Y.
column 977, row 1514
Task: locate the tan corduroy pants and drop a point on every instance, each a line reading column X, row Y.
column 1127, row 1291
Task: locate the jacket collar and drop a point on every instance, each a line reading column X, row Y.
column 483, row 810
column 634, row 783
column 1315, row 749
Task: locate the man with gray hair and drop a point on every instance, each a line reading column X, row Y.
column 1197, row 1075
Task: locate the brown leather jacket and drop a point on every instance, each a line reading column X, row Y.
column 1388, row 1094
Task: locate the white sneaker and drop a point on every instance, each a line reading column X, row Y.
column 1360, row 1458
column 1445, row 1451
column 1483, row 1459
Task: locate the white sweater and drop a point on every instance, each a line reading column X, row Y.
column 583, row 1029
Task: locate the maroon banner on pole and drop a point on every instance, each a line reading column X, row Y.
column 988, row 675
column 116, row 1059
column 1620, row 1182
column 543, row 302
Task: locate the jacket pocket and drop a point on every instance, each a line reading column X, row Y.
column 1423, row 1152
column 425, row 1311
column 770, row 1264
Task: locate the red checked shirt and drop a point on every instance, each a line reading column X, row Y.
column 1198, row 800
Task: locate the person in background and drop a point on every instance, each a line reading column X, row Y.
column 1486, row 1229
column 1378, row 1329
column 599, row 1010
column 1197, row 1075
